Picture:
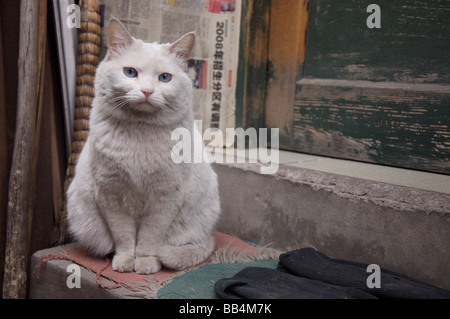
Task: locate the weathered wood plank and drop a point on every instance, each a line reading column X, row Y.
column 398, row 126
column 376, row 95
column 14, row 285
column 287, row 38
column 40, row 110
column 412, row 45
column 3, row 163
column 250, row 93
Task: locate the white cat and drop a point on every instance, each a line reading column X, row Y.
column 128, row 196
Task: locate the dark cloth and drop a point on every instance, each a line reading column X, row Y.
column 312, row 264
column 266, row 283
column 309, row 274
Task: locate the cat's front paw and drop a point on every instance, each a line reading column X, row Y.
column 123, row 263
column 147, row 265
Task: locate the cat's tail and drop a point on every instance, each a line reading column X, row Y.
column 182, row 257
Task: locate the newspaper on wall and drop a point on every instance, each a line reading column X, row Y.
column 214, row 60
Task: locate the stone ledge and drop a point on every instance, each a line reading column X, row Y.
column 400, row 228
column 404, row 229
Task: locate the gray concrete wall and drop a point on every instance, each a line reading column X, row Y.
column 400, row 228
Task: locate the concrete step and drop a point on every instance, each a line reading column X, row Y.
column 402, row 228
column 405, row 229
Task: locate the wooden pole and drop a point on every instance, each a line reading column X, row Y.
column 40, row 109
column 3, row 165
column 15, row 274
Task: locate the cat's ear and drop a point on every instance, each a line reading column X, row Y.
column 183, row 46
column 118, row 35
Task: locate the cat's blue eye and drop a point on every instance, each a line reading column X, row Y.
column 130, row 72
column 165, row 77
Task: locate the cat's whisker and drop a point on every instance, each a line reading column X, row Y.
column 128, row 100
column 118, row 101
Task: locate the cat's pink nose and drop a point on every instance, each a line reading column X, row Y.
column 147, row 92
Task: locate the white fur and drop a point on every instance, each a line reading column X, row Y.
column 128, row 196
